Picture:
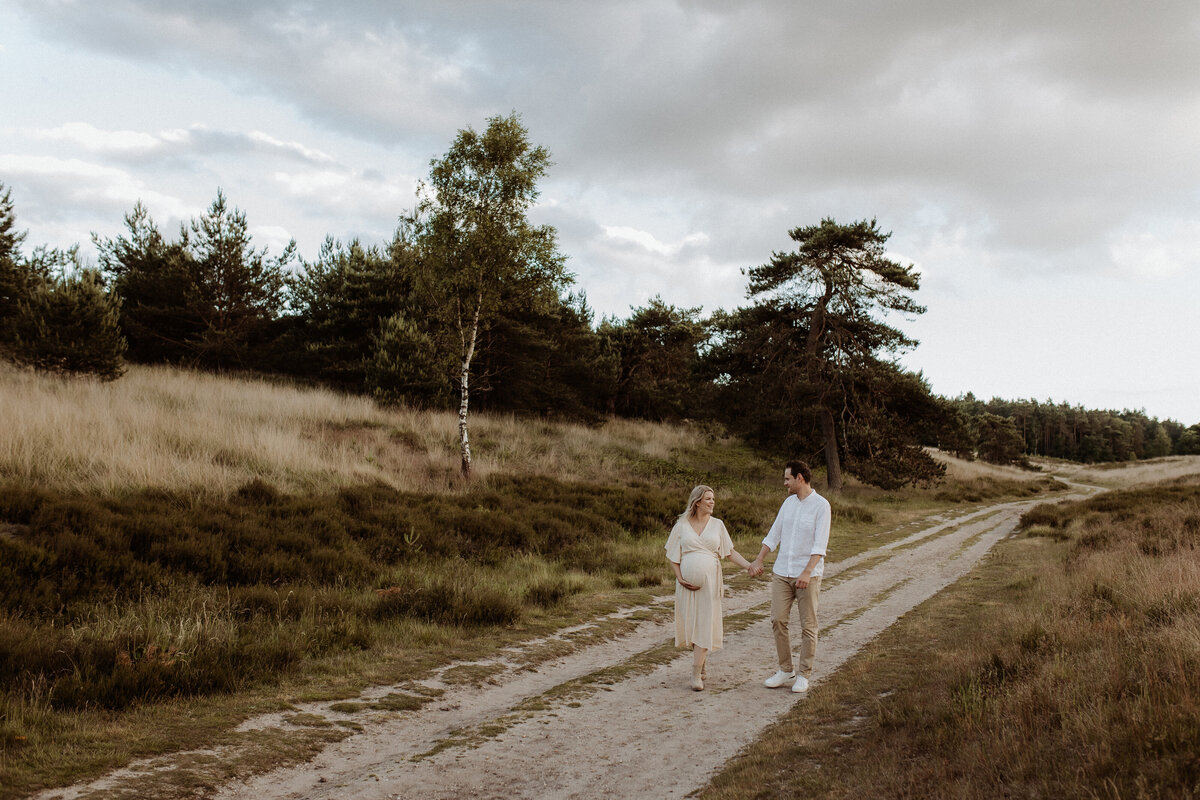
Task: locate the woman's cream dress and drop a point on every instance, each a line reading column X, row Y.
column 698, row 613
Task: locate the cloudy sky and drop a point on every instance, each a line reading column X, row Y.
column 1038, row 162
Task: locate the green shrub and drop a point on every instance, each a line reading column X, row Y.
column 550, row 593
column 448, row 600
column 850, row 512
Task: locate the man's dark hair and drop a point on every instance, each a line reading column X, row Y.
column 799, row 469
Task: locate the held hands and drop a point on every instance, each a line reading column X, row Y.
column 755, row 568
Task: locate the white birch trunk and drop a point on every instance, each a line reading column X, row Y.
column 464, row 437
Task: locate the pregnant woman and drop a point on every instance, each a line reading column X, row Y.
column 695, row 548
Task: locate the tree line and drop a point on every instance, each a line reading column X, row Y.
column 469, row 306
column 1008, row 431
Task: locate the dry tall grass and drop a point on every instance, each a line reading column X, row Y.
column 1113, row 474
column 962, row 470
column 1125, row 473
column 173, row 429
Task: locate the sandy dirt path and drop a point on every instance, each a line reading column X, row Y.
column 611, row 720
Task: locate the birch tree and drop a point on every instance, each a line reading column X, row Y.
column 478, row 248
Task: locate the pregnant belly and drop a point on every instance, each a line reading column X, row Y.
column 698, row 568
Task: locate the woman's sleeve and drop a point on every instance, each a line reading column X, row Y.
column 675, row 544
column 726, row 546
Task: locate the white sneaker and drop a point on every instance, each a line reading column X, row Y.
column 801, row 684
column 778, row 679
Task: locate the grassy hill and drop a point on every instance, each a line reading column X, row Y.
column 179, row 551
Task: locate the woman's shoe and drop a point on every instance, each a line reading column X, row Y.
column 697, row 677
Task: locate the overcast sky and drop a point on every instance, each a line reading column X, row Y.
column 1038, row 162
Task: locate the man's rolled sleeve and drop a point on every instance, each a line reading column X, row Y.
column 771, row 541
column 821, row 537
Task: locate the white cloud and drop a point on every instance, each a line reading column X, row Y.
column 313, row 184
column 196, row 140
column 356, row 197
column 271, row 143
column 1158, row 255
column 275, row 238
column 50, row 165
column 84, row 183
column 647, row 241
column 96, row 140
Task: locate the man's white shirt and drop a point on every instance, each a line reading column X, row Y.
column 800, row 530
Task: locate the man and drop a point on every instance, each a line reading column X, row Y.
column 801, row 532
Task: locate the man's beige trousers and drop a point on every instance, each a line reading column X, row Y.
column 783, row 595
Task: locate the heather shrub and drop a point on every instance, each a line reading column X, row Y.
column 125, row 599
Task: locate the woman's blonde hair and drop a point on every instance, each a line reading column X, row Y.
column 694, row 498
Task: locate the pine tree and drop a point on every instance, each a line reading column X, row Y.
column 810, row 358
column 209, row 299
column 656, row 351
column 72, row 325
column 404, row 365
column 13, row 274
column 547, row 361
column 999, row 441
column 155, row 280
column 239, row 292
column 342, row 301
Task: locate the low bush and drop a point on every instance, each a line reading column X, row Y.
column 1156, row 520
column 552, row 592
column 189, row 641
column 454, row 599
column 976, row 490
column 851, row 512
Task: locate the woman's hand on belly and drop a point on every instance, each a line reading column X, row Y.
column 697, row 569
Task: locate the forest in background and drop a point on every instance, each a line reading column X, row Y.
column 469, row 307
